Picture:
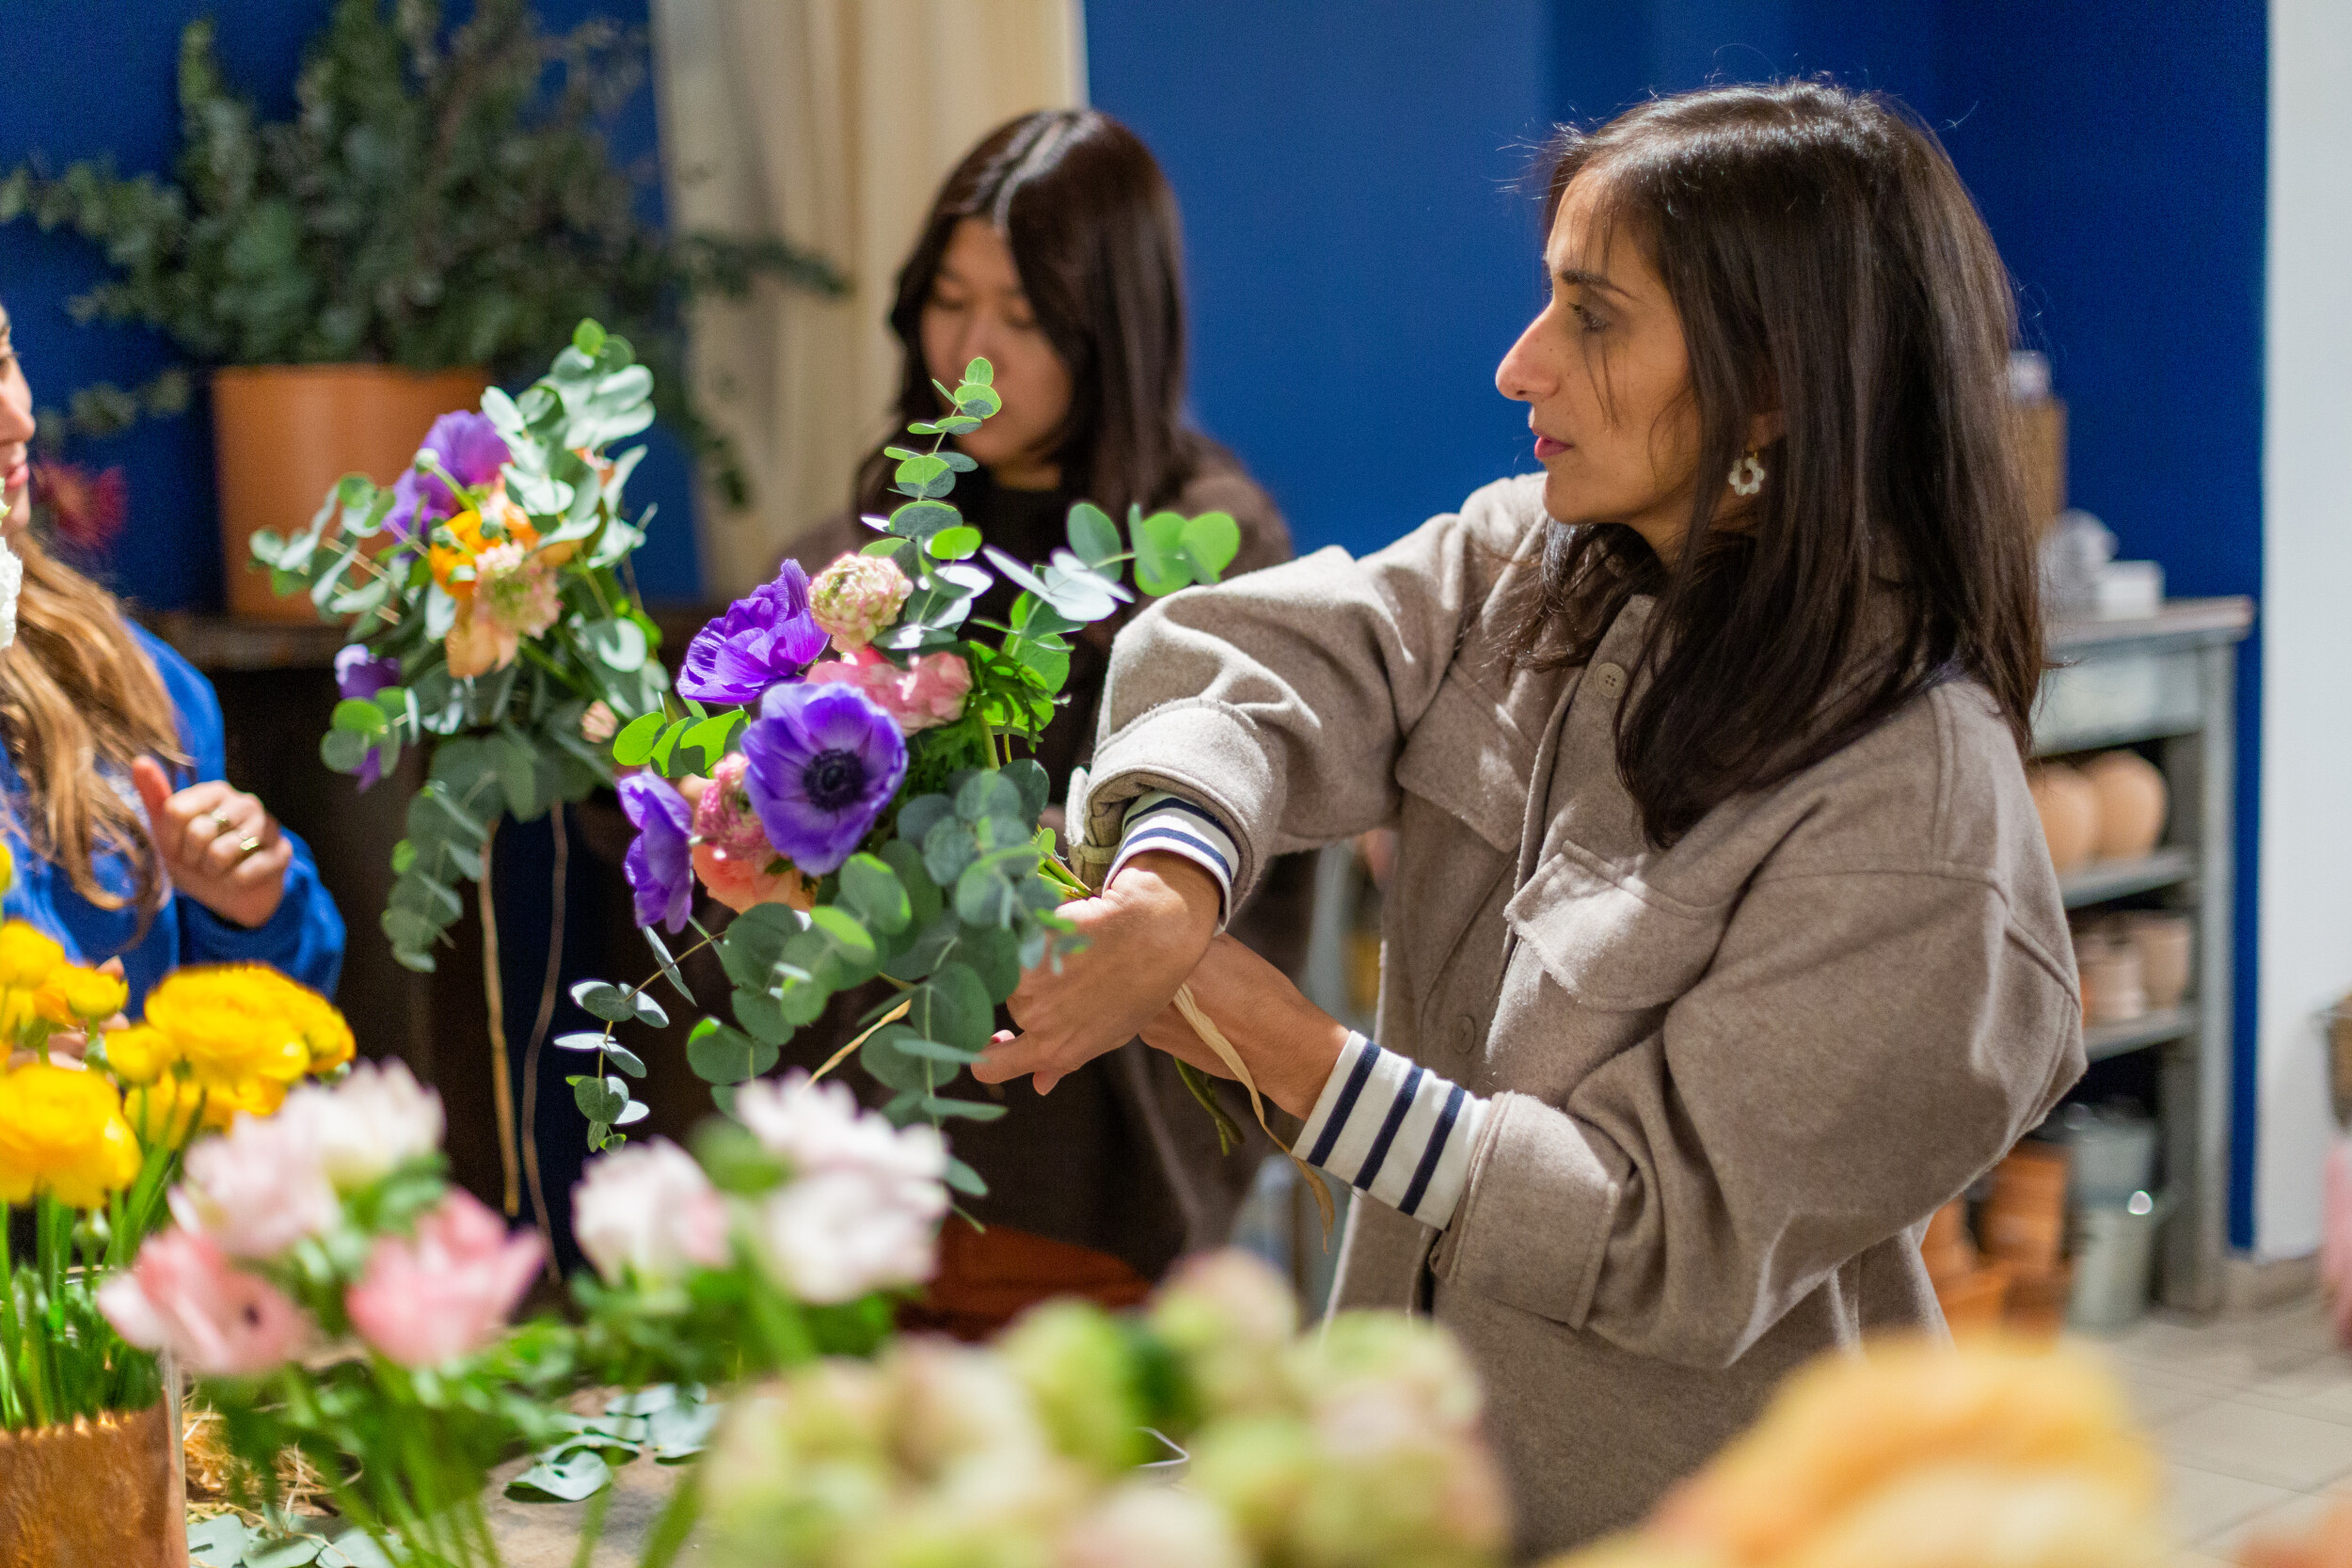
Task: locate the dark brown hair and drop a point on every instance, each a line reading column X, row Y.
column 1093, row 231
column 1825, row 261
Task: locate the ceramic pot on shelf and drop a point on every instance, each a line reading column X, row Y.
column 2113, row 989
column 282, row 434
column 94, row 1491
column 2070, row 814
column 2165, row 945
column 2132, row 801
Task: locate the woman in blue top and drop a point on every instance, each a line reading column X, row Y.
column 129, row 844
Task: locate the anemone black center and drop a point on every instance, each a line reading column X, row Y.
column 834, row 780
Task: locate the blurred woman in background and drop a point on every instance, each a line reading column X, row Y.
column 1052, row 251
column 129, row 844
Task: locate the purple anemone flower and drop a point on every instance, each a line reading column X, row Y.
column 469, row 446
column 820, row 763
column 660, row 864
column 357, row 675
column 765, row 636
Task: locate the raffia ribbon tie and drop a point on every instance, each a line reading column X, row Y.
column 1206, row 1028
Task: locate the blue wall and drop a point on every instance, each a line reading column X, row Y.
column 1357, row 265
column 91, row 77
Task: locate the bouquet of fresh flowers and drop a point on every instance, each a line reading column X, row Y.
column 1356, row 1447
column 870, row 813
column 334, row 1295
column 91, row 1145
column 493, row 617
column 490, row 616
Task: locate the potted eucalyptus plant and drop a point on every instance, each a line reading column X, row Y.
column 436, row 213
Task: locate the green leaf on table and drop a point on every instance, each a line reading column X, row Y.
column 561, row 1476
column 1208, row 544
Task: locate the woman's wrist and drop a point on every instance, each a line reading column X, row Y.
column 1295, row 1080
column 1174, row 889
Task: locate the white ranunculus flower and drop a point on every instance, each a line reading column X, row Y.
column 648, row 1208
column 814, row 1127
column 376, row 1117
column 834, row 1235
column 259, row 1189
column 11, row 584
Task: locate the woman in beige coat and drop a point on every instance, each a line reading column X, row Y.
column 1722, row 946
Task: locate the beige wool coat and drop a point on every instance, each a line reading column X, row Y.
column 1732, row 1080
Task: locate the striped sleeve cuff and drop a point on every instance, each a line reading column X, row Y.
column 1394, row 1130
column 1173, row 824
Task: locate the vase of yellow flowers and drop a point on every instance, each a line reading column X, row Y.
column 98, row 1118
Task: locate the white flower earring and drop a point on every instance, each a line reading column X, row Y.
column 1747, row 475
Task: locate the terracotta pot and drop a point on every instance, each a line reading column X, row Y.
column 2132, row 801
column 2164, row 944
column 2025, row 1224
column 104, row 1494
column 283, row 435
column 2070, row 814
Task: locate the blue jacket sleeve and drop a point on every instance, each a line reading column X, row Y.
column 305, row 937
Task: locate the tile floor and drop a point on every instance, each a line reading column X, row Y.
column 2255, row 1415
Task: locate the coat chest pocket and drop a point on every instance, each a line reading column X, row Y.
column 1608, row 944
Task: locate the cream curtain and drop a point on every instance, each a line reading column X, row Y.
column 830, row 122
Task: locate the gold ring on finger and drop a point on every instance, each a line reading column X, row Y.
column 247, row 846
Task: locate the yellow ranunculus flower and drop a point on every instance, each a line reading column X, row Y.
column 163, row 1112
column 140, row 1054
column 26, row 957
column 7, row 869
column 247, row 1031
column 62, row 1131
column 72, row 997
column 249, row 1097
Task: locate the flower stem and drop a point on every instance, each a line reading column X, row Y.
column 494, row 997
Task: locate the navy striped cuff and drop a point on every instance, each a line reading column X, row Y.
column 1394, row 1130
column 1175, row 826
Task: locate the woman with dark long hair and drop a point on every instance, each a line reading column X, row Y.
column 1724, row 948
column 1052, row 251
column 128, row 842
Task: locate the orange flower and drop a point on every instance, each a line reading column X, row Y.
column 472, row 534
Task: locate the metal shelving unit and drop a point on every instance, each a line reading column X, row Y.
column 2169, row 679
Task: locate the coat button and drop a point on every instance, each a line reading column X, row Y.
column 1609, row 680
column 1465, row 1034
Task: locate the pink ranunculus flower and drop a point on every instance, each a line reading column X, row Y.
column 861, row 1209
column 857, row 596
column 517, row 590
column 732, row 855
column 260, row 1189
column 183, row 1295
column 928, row 692
column 447, row 1292
column 650, row 1210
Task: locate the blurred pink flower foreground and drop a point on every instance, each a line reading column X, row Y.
column 447, row 1292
